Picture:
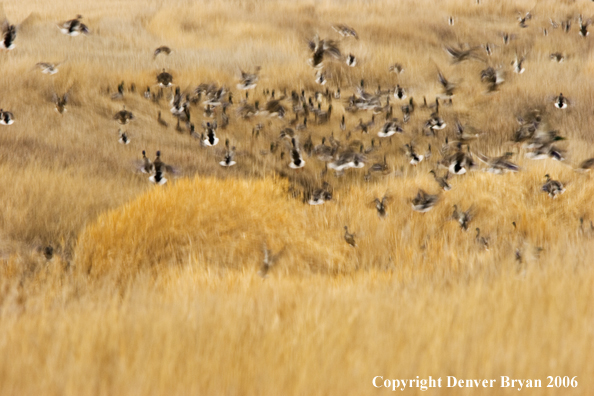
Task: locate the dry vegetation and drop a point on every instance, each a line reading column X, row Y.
column 155, row 290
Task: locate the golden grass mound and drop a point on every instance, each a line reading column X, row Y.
column 225, row 223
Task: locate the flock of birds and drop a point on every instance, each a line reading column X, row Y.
column 315, row 108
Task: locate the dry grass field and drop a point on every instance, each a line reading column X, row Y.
column 160, row 290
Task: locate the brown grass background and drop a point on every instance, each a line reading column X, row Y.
column 155, row 290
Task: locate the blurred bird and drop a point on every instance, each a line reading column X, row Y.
column 229, row 155
column 442, row 181
column 8, row 35
column 123, row 138
column 424, row 202
column 463, row 218
column 124, row 116
column 164, row 79
column 349, row 238
column 553, row 187
column 381, row 205
column 162, row 50
column 346, row 31
column 73, row 27
column 248, row 80
column 48, row 68
column 6, row 117
column 60, row 102
column 320, row 195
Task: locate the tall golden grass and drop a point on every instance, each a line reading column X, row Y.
column 157, row 291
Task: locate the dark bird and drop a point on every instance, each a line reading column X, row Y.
column 553, row 187
column 424, row 202
column 8, row 36
column 448, row 87
column 162, row 50
column 73, row 27
column 349, row 238
column 124, row 116
column 346, row 31
column 164, row 79
column 60, row 102
column 381, row 205
column 463, row 217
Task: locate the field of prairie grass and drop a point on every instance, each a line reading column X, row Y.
column 157, row 290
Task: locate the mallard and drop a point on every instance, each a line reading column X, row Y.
column 123, row 137
column 463, row 218
column 552, row 187
column 522, row 19
column 424, row 202
column 162, row 50
column 459, row 54
column 164, row 79
column 322, row 117
column 399, row 92
column 48, row 252
column 499, row 165
column 159, row 170
column 459, row 162
column 320, row 195
column 448, row 87
column 349, row 238
column 557, row 57
column 389, row 128
column 210, row 137
column 320, row 78
column 120, row 94
column 48, row 68
column 324, row 152
column 435, row 122
column 6, row 117
column 507, row 38
column 345, row 31
column 348, row 159
column 381, row 205
column 407, row 110
column 442, row 181
column 396, row 68
column 517, row 64
column 60, row 102
column 147, row 165
column 545, row 150
column 124, row 116
column 561, row 102
column 268, row 261
column 248, row 80
column 320, row 48
column 414, row 157
column 493, row 78
column 73, row 27
column 489, row 48
column 451, row 20
column 229, row 155
column 584, row 26
column 8, row 35
column 297, row 161
column 147, row 93
column 351, row 60
column 462, row 132
column 482, row 241
column 380, row 167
